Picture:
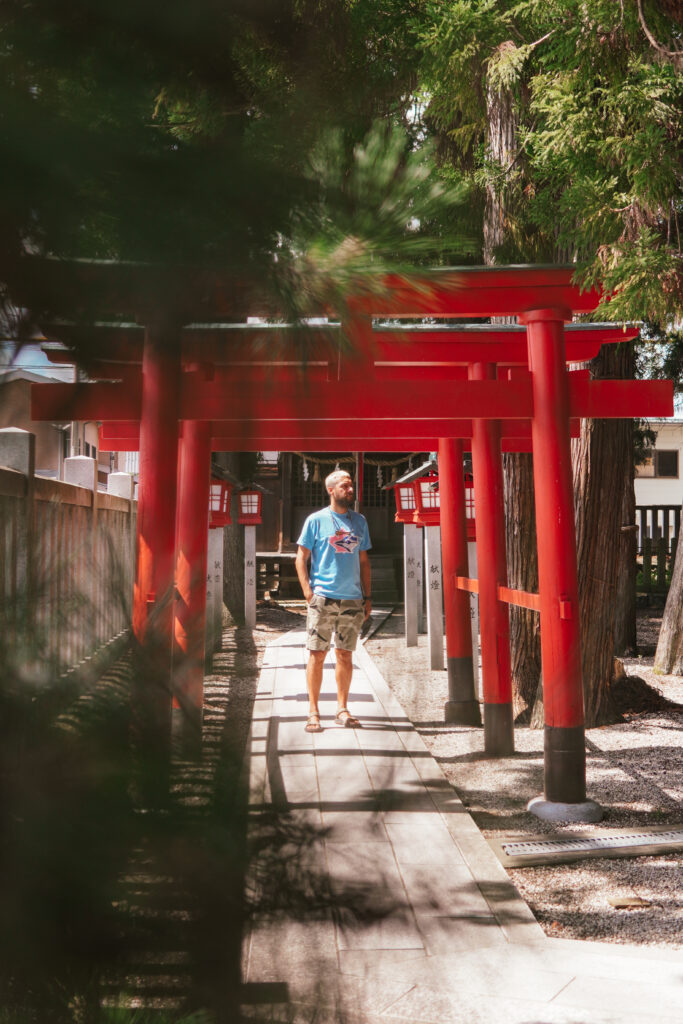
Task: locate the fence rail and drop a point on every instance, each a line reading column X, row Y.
column 655, row 521
column 67, row 557
column 658, row 530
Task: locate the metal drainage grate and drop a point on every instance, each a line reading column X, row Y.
column 547, row 850
column 522, row 849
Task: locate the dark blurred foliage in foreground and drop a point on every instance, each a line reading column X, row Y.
column 119, row 910
column 270, row 139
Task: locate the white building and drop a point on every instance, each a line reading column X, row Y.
column 658, row 484
column 658, row 481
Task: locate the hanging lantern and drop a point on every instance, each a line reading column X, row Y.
column 428, row 512
column 220, row 493
column 249, row 507
column 469, row 507
column 406, row 503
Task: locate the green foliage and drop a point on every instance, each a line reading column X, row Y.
column 505, row 66
column 597, row 116
column 231, row 135
column 384, row 210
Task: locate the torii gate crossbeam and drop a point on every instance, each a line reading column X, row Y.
column 548, row 397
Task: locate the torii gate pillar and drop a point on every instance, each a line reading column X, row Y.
column 461, row 707
column 565, row 753
column 156, row 527
column 494, row 622
column 190, row 617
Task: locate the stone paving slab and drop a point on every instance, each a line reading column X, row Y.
column 423, row 923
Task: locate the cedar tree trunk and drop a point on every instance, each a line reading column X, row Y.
column 522, row 566
column 600, row 456
column 625, row 640
column 669, row 653
column 520, row 528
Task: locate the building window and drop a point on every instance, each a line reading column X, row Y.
column 87, row 449
column 660, row 463
column 666, row 463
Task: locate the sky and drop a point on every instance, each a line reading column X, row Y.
column 31, row 357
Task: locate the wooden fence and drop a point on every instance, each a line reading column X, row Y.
column 658, row 531
column 67, row 557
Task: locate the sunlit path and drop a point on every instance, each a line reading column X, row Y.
column 442, row 934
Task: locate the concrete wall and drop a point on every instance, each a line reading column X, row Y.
column 15, row 411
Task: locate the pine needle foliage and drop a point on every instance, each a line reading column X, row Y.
column 597, row 177
column 190, row 134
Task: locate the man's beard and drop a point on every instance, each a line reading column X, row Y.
column 345, row 501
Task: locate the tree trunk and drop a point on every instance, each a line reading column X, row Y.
column 669, row 653
column 520, row 520
column 599, row 457
column 522, row 566
column 625, row 639
column 502, row 148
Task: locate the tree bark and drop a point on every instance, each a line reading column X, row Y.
column 502, row 118
column 520, row 520
column 522, row 566
column 599, row 457
column 625, row 639
column 669, row 653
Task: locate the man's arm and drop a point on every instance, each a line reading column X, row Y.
column 301, row 563
column 365, row 581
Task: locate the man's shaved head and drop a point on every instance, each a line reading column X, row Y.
column 333, row 479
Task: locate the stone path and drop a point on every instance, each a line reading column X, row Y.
column 443, row 935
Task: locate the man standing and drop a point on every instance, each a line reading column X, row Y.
column 338, row 592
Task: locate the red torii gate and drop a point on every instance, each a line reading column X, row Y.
column 361, row 402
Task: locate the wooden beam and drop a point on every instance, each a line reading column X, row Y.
column 400, row 403
column 329, row 429
column 240, row 344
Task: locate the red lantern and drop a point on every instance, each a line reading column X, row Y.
column 405, row 502
column 249, row 507
column 428, row 511
column 219, row 502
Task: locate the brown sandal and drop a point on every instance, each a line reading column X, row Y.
column 313, row 723
column 349, row 722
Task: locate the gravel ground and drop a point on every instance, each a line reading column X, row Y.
column 634, row 770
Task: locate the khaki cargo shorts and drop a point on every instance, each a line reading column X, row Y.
column 327, row 615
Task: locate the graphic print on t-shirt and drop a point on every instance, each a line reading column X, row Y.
column 344, row 541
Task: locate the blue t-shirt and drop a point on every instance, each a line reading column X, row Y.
column 335, row 542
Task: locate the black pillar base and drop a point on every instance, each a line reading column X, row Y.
column 462, row 707
column 565, row 764
column 499, row 732
column 462, row 712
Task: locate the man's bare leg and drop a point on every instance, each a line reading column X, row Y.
column 342, row 674
column 314, row 679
